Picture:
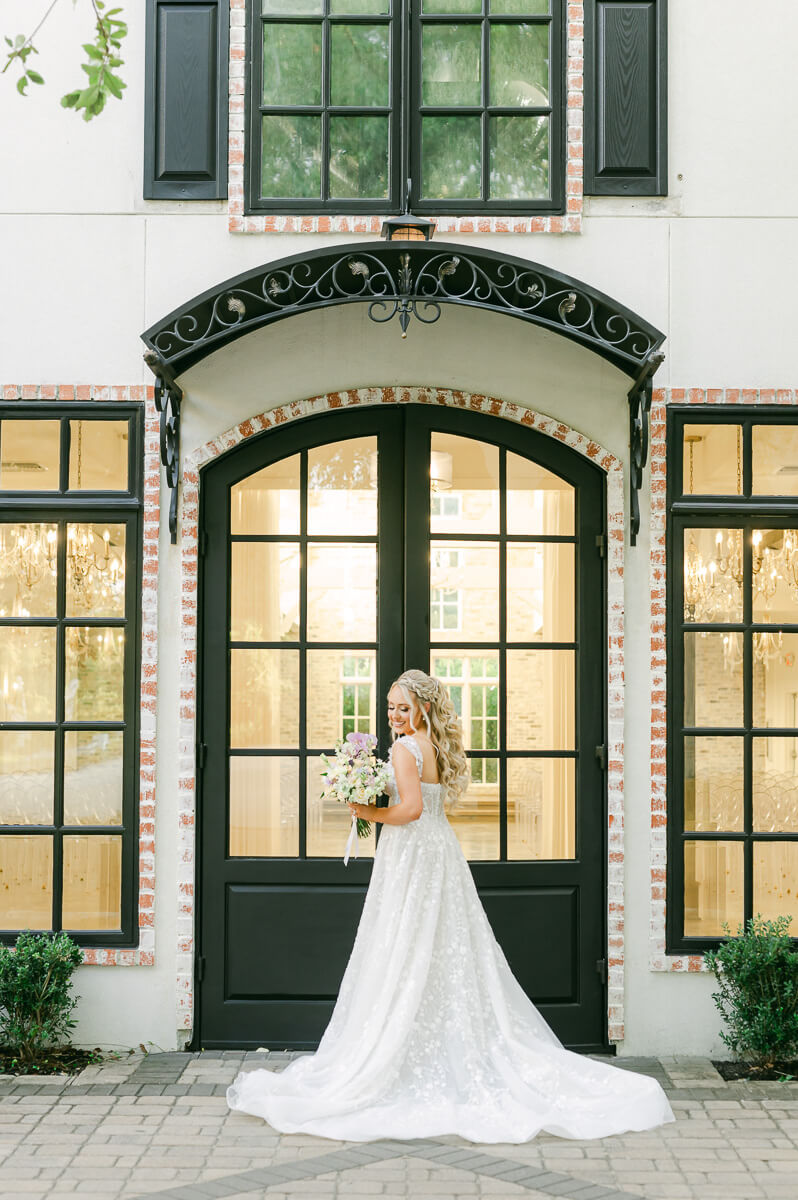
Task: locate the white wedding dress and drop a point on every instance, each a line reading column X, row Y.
column 431, row 1033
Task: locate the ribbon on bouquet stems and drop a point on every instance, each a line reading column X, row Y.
column 351, row 841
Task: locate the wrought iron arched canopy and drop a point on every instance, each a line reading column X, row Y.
column 403, row 280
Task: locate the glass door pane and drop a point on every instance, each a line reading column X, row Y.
column 464, row 591
column 502, row 630
column 264, row 806
column 302, row 643
column 342, row 488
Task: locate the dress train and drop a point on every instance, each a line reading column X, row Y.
column 431, row 1033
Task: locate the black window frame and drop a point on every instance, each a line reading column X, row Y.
column 684, row 511
column 406, row 115
column 62, row 507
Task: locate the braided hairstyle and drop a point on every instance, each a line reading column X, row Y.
column 442, row 725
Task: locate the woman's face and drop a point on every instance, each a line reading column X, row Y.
column 400, row 713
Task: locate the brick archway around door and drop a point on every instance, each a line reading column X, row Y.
column 352, row 398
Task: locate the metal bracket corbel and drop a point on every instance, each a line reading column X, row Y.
column 168, row 398
column 639, row 397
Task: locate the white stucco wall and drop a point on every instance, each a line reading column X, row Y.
column 88, row 264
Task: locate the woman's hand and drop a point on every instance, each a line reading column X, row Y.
column 361, row 811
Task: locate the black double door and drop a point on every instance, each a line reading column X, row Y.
column 337, row 552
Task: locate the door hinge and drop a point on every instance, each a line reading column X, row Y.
column 202, row 547
column 202, row 754
column 601, row 544
column 601, row 967
column 200, row 968
column 601, row 756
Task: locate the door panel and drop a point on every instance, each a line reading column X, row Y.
column 539, row 916
column 282, row 915
column 340, row 551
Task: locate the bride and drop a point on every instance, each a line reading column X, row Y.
column 431, row 1033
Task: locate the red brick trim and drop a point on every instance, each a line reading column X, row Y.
column 144, row 954
column 658, row 959
column 613, row 469
column 571, row 222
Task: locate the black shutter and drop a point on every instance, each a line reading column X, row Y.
column 185, row 118
column 626, row 129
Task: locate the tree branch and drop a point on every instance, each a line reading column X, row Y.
column 16, row 51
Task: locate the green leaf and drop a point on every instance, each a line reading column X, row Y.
column 70, row 100
column 34, row 76
column 22, row 83
column 92, row 51
column 114, row 85
column 35, row 992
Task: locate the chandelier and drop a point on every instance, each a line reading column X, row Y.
column 766, row 645
column 713, row 588
column 31, row 556
column 95, row 571
column 699, row 579
column 94, row 578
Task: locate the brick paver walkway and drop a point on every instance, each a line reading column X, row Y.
column 159, row 1126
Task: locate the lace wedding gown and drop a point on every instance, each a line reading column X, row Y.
column 431, row 1033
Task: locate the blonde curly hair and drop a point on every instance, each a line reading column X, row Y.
column 443, row 727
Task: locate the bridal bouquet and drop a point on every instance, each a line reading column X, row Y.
column 354, row 774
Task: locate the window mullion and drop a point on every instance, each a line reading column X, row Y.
column 747, row 480
column 60, row 714
column 410, row 100
column 501, row 683
column 325, row 103
column 303, row 653
column 485, row 119
column 748, row 705
column 66, row 441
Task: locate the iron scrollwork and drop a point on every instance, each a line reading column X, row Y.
column 168, row 399
column 405, row 280
column 639, row 408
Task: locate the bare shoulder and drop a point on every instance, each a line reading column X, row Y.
column 429, row 772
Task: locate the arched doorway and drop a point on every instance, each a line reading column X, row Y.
column 329, row 564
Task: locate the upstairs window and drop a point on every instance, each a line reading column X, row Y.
column 350, row 98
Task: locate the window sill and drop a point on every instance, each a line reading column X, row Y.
column 688, row 963
column 371, row 225
column 117, row 956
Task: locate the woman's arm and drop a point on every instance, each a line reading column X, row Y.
column 408, row 785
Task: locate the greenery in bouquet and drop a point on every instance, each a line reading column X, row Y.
column 354, row 774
